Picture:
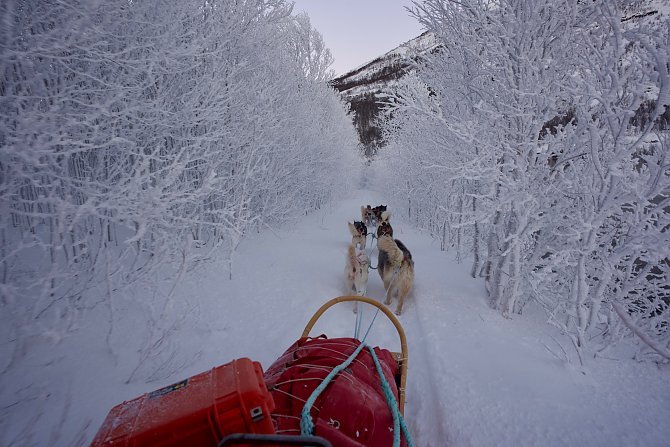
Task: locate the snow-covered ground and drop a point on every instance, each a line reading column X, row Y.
column 475, row 378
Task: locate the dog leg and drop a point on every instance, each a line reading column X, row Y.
column 402, row 293
column 404, row 286
column 390, row 291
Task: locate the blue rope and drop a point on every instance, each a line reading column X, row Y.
column 306, row 422
column 393, row 405
column 359, row 321
column 370, row 326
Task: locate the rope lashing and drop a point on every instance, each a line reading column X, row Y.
column 306, row 422
column 398, row 420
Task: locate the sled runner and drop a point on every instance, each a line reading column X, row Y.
column 321, row 392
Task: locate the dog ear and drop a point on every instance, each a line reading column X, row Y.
column 352, row 229
column 384, row 228
column 361, row 228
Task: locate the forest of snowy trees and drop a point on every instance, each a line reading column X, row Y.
column 137, row 134
column 534, row 141
column 143, row 140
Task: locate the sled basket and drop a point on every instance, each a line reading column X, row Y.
column 340, row 388
column 401, row 357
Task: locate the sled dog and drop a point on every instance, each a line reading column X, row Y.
column 372, row 216
column 384, row 229
column 356, row 270
column 359, row 233
column 379, row 213
column 396, row 269
column 368, row 215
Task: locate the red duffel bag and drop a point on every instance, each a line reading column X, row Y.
column 352, row 411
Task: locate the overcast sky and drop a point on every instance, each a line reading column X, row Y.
column 357, row 31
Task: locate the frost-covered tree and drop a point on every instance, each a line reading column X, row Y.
column 518, row 143
column 139, row 135
column 608, row 226
column 138, row 139
column 493, row 81
column 306, row 48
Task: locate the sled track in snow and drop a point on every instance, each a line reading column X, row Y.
column 423, row 404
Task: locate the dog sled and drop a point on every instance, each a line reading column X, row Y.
column 326, row 392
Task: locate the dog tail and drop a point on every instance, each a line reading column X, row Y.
column 395, row 254
column 386, row 215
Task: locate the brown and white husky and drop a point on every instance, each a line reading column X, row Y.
column 368, row 216
column 396, row 269
column 384, row 228
column 372, row 216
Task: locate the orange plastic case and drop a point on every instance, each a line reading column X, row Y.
column 198, row 411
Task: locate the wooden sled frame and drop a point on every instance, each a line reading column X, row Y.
column 401, row 357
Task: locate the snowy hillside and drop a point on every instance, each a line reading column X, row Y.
column 385, row 69
column 475, row 378
column 362, row 86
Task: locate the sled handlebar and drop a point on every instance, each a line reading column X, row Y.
column 401, row 357
column 258, row 439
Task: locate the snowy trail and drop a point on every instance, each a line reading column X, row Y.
column 438, row 279
column 320, row 242
column 424, row 401
column 474, row 379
